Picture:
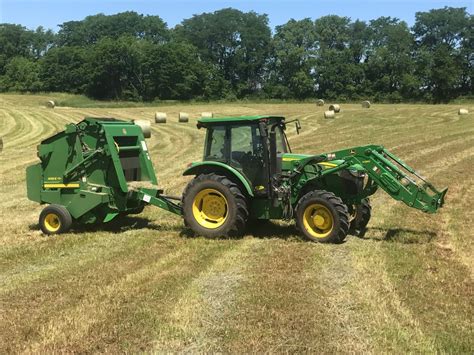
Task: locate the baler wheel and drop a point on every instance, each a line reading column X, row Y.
column 55, row 219
column 214, row 206
column 322, row 217
column 361, row 217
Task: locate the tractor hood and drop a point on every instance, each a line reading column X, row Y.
column 291, row 161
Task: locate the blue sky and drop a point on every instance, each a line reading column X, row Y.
column 50, row 13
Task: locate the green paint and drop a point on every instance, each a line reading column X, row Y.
column 88, row 167
column 238, row 119
column 211, row 166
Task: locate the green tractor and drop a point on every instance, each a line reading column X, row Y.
column 249, row 172
column 87, row 174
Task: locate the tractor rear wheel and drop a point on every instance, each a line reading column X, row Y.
column 360, row 216
column 322, row 217
column 55, row 219
column 214, row 206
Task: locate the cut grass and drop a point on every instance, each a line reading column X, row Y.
column 142, row 285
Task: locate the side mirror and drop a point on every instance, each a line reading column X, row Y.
column 298, row 126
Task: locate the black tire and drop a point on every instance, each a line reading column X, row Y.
column 362, row 214
column 55, row 219
column 336, row 227
column 236, row 209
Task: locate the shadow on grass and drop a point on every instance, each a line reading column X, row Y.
column 401, row 235
column 262, row 229
column 118, row 225
column 258, row 229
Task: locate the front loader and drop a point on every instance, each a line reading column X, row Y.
column 100, row 169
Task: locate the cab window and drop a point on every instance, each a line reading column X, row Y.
column 216, row 144
column 280, row 141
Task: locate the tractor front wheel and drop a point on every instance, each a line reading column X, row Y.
column 214, row 206
column 360, row 216
column 55, row 219
column 322, row 217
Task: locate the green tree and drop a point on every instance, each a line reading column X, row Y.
column 390, row 66
column 467, row 59
column 235, row 42
column 172, row 71
column 292, row 68
column 42, row 41
column 21, row 74
column 64, row 69
column 441, row 53
column 93, row 28
column 15, row 40
column 338, row 75
column 114, row 69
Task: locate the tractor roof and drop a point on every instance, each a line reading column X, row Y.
column 239, row 119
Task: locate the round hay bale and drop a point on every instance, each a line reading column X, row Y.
column 366, row 104
column 329, row 114
column 1, row 144
column 335, row 107
column 50, row 104
column 207, row 115
column 320, row 102
column 160, row 117
column 183, row 117
column 463, row 111
column 145, row 126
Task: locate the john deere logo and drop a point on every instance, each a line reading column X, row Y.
column 124, row 131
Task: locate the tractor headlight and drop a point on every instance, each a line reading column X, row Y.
column 357, row 173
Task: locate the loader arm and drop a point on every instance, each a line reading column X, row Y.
column 393, row 175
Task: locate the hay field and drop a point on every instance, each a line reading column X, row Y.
column 143, row 285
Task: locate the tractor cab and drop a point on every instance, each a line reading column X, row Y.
column 246, row 144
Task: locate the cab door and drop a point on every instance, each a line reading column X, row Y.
column 247, row 152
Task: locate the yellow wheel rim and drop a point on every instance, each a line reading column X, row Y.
column 210, row 208
column 52, row 222
column 318, row 220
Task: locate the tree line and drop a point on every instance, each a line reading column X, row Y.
column 230, row 54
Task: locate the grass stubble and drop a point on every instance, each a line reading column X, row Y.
column 142, row 284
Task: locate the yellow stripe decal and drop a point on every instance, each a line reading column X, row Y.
column 61, row 186
column 290, row 159
column 332, row 165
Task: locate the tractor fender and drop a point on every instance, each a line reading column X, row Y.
column 206, row 167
